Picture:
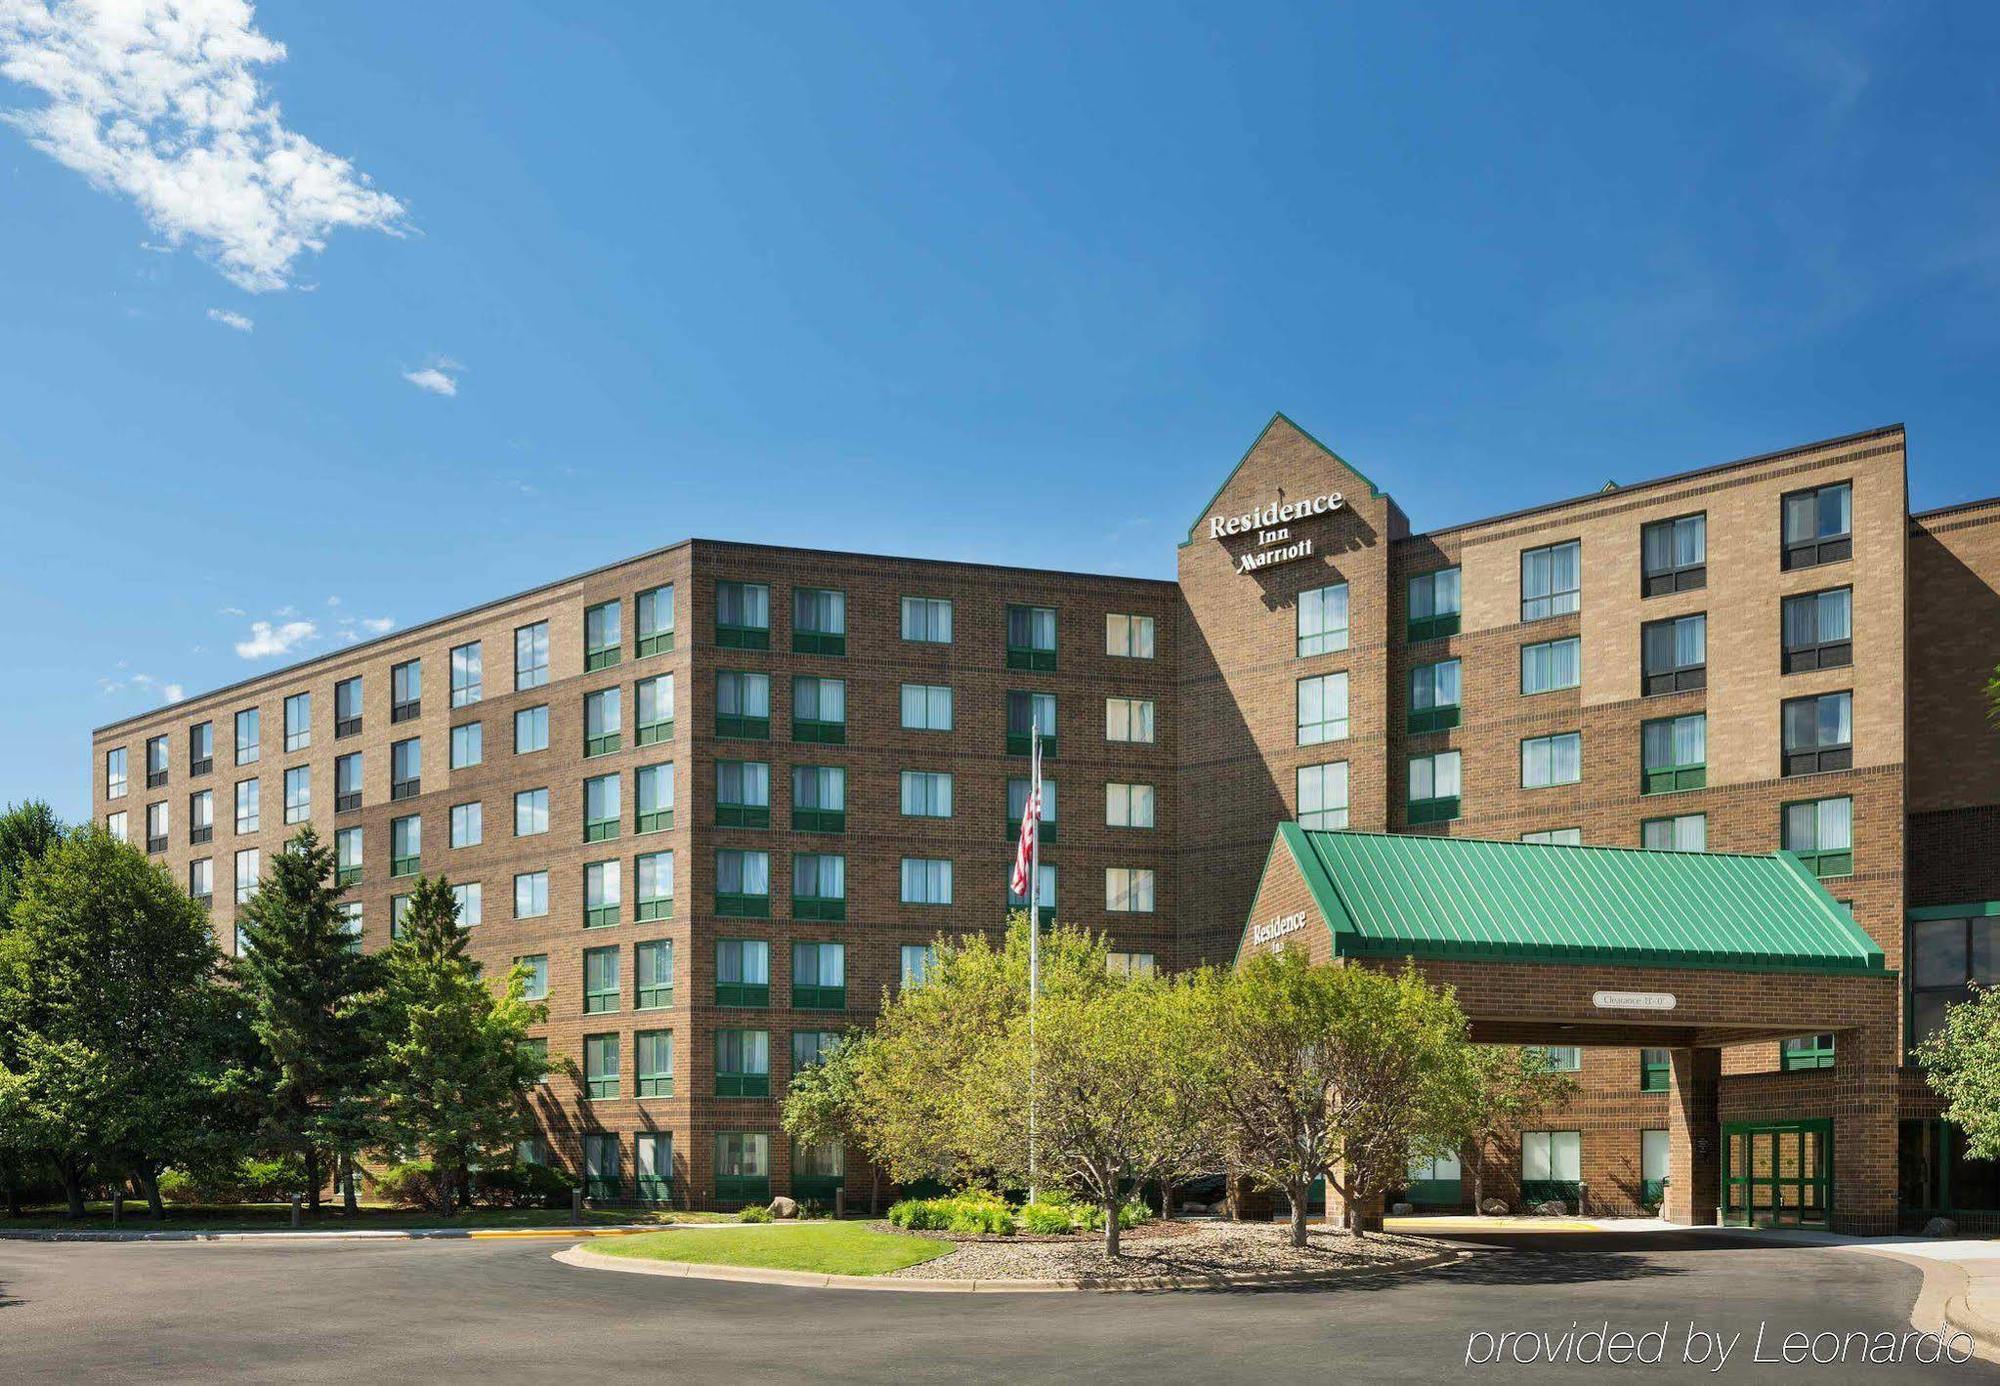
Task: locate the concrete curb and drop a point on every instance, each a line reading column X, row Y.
column 1946, row 1300
column 586, row 1259
column 385, row 1234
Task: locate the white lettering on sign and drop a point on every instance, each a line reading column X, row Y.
column 1272, row 526
column 1633, row 1000
column 1277, row 928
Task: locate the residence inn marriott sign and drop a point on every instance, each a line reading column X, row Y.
column 1647, row 775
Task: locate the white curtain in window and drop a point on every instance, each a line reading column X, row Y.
column 1565, row 758
column 1691, row 642
column 1690, row 740
column 1833, row 825
column 1658, row 543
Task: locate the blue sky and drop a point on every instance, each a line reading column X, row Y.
column 999, row 282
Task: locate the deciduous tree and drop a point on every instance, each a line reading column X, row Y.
column 1962, row 1058
column 1511, row 1085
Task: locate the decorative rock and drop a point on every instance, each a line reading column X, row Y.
column 1552, row 1209
column 1403, row 1210
column 1493, row 1208
column 1940, row 1227
column 782, row 1207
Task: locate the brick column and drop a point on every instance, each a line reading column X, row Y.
column 1864, row 1127
column 1694, row 1139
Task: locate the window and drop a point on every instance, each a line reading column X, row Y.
column 406, row 845
column 1045, row 893
column 1322, row 801
column 1947, row 957
column 1819, row 526
column 655, row 968
column 602, row 894
column 114, row 774
column 1802, row 1052
column 1673, row 752
column 1686, row 832
column 601, row 808
column 656, row 798
column 927, row 620
column 1017, row 805
column 1551, row 580
column 1028, row 713
column 600, row 981
column 1819, row 733
column 248, row 865
column 1128, row 719
column 1819, row 630
column 742, row 1166
column 1322, row 709
column 1125, row 805
column 1323, row 620
column 742, row 794
column 819, row 886
column 347, row 782
column 249, row 816
column 819, row 798
column 810, row 1048
column 1555, row 837
column 531, row 812
column 1128, row 889
column 656, row 709
column 298, row 794
column 926, row 881
column 1820, row 832
column 114, row 823
column 656, row 620
column 471, row 901
column 347, row 707
column 601, row 1062
column 1673, row 655
column 917, row 959
column 743, row 884
column 406, row 768
column 1434, row 695
column 466, row 825
column 603, row 722
column 201, row 748
column 656, row 885
column 742, row 1065
column 531, row 895
column 156, row 827
column 927, row 707
column 743, row 705
column 1434, row 606
column 538, row 975
column 156, row 761
column 201, row 879
column 601, row 636
column 347, row 846
column 1128, row 637
column 406, row 690
column 531, row 730
column 743, row 615
column 1562, row 1058
column 656, row 1069
column 248, row 749
column 201, row 817
column 819, row 621
column 1123, row 964
column 1552, row 664
column 819, row 711
column 467, row 679
column 601, row 1175
column 531, row 656
column 1551, row 760
column 1434, row 787
column 1673, row 555
column 819, row 977
column 1656, row 1069
column 468, row 745
column 1031, row 637
column 926, row 794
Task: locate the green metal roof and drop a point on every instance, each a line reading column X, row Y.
column 1460, row 898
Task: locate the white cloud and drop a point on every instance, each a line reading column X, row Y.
column 266, row 640
column 159, row 101
column 433, row 379
column 333, row 601
column 229, row 319
column 172, row 692
column 231, row 611
column 379, row 625
column 286, row 612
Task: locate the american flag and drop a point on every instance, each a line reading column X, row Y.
column 1031, row 818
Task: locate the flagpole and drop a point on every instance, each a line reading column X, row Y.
column 1034, row 937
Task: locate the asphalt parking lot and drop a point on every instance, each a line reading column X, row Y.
column 496, row 1312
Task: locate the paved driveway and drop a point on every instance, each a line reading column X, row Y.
column 496, row 1312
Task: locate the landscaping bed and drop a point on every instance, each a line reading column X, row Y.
column 832, row 1248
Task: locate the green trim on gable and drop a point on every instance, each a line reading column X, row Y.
column 1277, row 417
column 1974, row 908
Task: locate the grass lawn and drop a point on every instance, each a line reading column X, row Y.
column 253, row 1217
column 834, row 1248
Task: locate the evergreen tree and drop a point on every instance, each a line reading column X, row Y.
column 27, row 833
column 307, row 985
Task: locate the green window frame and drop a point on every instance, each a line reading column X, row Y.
column 1027, row 628
column 1777, row 1173
column 601, row 807
column 1435, row 694
column 602, row 638
column 813, row 698
column 654, row 785
column 653, row 975
column 603, row 883
column 742, row 1065
column 1673, row 753
column 812, row 786
column 813, row 875
column 653, row 882
column 655, row 620
column 743, row 868
column 1023, row 713
column 819, row 621
column 1656, row 1070
column 1821, row 817
column 1802, row 1053
column 600, row 980
column 603, row 722
column 602, row 1177
column 653, row 1052
column 742, row 1167
column 653, row 710
column 749, row 694
column 1017, row 806
column 347, row 850
column 1434, row 605
column 601, row 1067
column 743, row 615
column 406, row 845
column 1428, row 774
column 742, row 794
column 653, row 1165
column 742, row 972
column 819, row 976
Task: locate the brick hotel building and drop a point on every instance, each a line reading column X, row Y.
column 722, row 795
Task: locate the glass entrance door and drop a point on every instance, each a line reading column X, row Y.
column 1777, row 1174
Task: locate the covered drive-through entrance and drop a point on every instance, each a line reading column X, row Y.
column 1685, row 957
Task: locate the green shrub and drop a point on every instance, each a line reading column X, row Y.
column 1130, row 1215
column 971, row 1217
column 754, row 1214
column 1047, row 1217
column 249, row 1181
column 969, row 1212
column 412, row 1184
column 811, row 1209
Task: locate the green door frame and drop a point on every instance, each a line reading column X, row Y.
column 1741, row 1206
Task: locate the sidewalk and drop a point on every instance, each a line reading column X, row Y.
column 341, row 1234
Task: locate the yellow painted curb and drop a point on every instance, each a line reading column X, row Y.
column 1500, row 1224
